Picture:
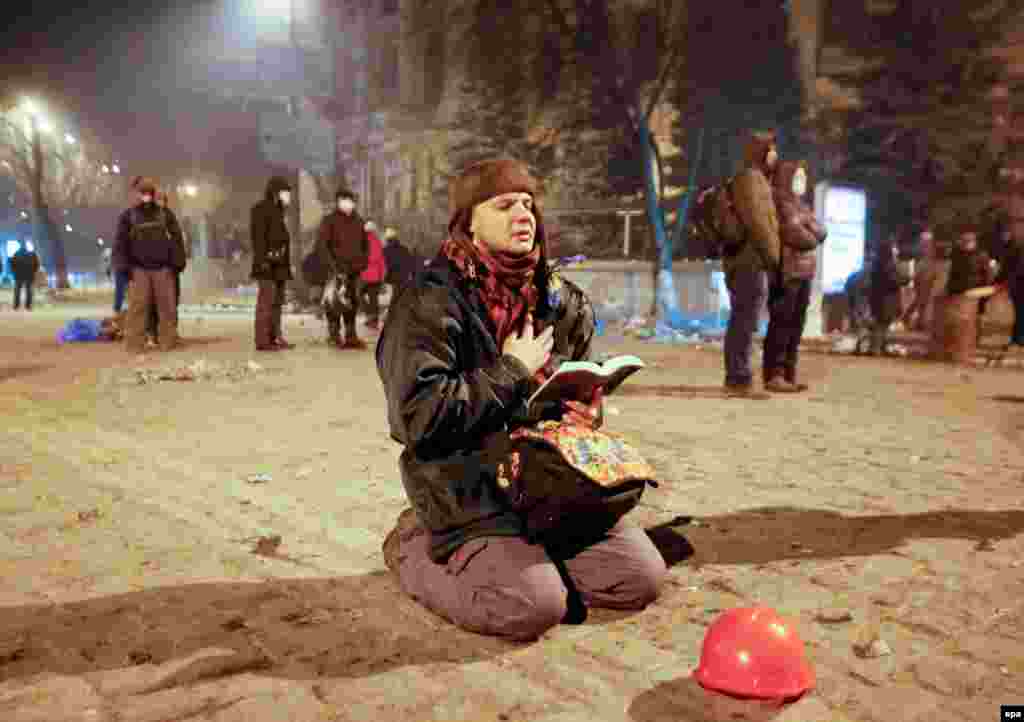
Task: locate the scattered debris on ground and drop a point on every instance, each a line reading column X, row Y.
column 201, row 370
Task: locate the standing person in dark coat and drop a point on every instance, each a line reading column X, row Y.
column 459, row 355
column 149, row 243
column 800, row 234
column 758, row 257
column 400, row 262
column 344, row 250
column 888, row 277
column 24, row 267
column 271, row 263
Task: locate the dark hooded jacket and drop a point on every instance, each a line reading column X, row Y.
column 271, row 241
column 25, row 265
column 752, row 199
column 888, row 277
column 400, row 261
column 449, row 389
column 800, row 232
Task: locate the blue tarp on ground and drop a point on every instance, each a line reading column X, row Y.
column 80, row 329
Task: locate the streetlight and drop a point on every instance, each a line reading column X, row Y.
column 99, row 241
column 190, row 190
column 116, row 168
column 68, row 228
column 69, row 139
column 106, row 168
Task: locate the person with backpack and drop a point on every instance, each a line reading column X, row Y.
column 150, row 245
column 271, row 263
column 747, row 263
column 24, row 267
column 800, row 234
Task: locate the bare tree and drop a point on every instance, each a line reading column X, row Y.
column 575, row 95
column 51, row 170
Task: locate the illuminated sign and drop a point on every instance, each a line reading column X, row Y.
column 12, row 247
column 845, row 211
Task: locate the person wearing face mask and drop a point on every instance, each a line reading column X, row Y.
column 461, row 350
column 800, row 234
column 271, row 263
column 343, row 247
column 758, row 256
column 150, row 245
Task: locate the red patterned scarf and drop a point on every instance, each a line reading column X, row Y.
column 504, row 282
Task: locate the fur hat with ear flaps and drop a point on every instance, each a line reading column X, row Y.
column 486, row 179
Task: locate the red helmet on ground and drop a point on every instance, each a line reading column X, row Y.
column 753, row 652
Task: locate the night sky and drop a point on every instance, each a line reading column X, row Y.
column 115, row 73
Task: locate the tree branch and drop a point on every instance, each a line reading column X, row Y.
column 666, row 73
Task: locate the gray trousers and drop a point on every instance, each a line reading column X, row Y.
column 504, row 587
column 746, row 297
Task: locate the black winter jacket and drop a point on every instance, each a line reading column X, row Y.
column 152, row 255
column 449, row 388
column 25, row 265
column 271, row 241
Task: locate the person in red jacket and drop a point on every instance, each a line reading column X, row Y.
column 800, row 234
column 373, row 277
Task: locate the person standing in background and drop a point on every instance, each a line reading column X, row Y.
column 373, row 277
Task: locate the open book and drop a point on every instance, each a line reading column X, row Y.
column 576, row 380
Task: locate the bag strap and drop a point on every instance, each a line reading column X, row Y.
column 576, row 610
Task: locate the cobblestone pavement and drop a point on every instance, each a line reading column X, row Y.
column 884, row 506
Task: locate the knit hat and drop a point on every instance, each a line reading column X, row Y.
column 487, row 179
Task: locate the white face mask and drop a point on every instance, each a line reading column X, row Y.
column 285, row 196
column 799, row 184
column 345, row 205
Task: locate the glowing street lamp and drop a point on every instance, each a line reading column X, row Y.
column 106, row 168
column 69, row 139
column 190, row 190
column 116, row 168
column 68, row 228
column 99, row 241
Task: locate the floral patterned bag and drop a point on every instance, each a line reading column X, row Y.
column 569, row 482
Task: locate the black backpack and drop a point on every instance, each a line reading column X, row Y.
column 149, row 231
column 715, row 229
